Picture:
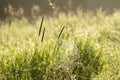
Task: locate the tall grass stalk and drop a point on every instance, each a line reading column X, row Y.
column 43, row 35
column 40, row 27
column 61, row 32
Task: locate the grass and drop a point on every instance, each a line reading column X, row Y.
column 87, row 47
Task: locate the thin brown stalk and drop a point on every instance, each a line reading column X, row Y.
column 43, row 35
column 61, row 32
column 40, row 26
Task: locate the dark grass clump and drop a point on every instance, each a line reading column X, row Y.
column 39, row 63
column 88, row 61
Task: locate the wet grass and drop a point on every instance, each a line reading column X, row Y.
column 82, row 47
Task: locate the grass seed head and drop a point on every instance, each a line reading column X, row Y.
column 61, row 32
column 43, row 35
column 40, row 26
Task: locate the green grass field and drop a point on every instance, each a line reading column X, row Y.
column 88, row 48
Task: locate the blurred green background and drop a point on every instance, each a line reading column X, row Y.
column 28, row 8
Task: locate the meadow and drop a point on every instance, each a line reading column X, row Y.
column 68, row 47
